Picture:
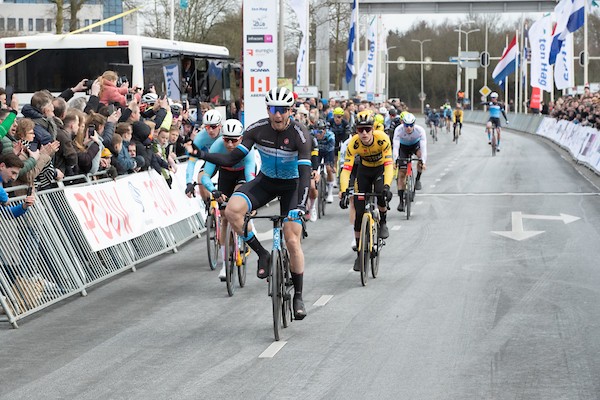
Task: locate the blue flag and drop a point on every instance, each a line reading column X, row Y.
column 350, row 69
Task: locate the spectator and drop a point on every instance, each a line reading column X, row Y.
column 65, row 158
column 41, row 111
column 176, row 141
column 122, row 161
column 88, row 146
column 10, row 164
column 110, row 93
column 141, row 138
column 161, row 163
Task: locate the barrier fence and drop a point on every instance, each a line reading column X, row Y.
column 46, row 256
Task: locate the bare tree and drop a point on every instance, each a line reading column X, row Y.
column 74, row 8
column 59, row 17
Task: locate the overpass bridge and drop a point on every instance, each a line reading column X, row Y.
column 455, row 6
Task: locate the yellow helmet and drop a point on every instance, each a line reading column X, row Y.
column 378, row 121
column 338, row 111
column 402, row 115
column 364, row 118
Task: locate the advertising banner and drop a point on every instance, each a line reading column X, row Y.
column 171, row 73
column 260, row 56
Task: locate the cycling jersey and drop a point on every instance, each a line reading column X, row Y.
column 457, row 116
column 496, row 109
column 202, row 141
column 248, row 165
column 285, row 155
column 376, row 154
column 402, row 137
column 447, row 112
column 327, row 143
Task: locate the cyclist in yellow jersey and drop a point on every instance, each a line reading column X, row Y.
column 457, row 117
column 375, row 171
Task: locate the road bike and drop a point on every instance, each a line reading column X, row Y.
column 213, row 230
column 236, row 251
column 369, row 244
column 456, row 132
column 280, row 276
column 447, row 125
column 409, row 185
column 493, row 132
column 433, row 132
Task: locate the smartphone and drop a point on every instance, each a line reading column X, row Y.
column 129, row 97
column 29, row 190
column 162, row 96
column 111, row 109
column 9, row 93
column 91, row 130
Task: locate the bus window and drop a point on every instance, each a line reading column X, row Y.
column 153, row 63
column 59, row 69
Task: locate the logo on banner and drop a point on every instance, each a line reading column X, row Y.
column 260, row 85
column 259, row 64
column 259, row 38
column 259, row 23
column 259, row 52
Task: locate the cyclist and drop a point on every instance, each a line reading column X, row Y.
column 496, row 109
column 313, row 192
column 426, row 112
column 229, row 177
column 340, row 128
column 202, row 142
column 326, row 140
column 434, row 120
column 447, row 116
column 375, row 172
column 457, row 118
column 284, row 147
column 409, row 139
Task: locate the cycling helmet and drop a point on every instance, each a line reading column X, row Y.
column 383, row 110
column 364, row 118
column 279, row 96
column 212, row 117
column 427, row 105
column 149, row 98
column 338, row 111
column 409, row 118
column 232, row 128
column 494, row 95
column 403, row 114
column 393, row 111
column 378, row 119
column 320, row 124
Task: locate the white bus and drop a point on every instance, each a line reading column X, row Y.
column 66, row 60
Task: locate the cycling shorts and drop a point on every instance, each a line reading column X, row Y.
column 228, row 180
column 263, row 189
column 406, row 151
column 368, row 179
column 327, row 157
column 495, row 122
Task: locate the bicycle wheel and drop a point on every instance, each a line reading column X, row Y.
column 275, row 292
column 321, row 199
column 456, row 134
column 212, row 241
column 324, row 198
column 242, row 250
column 286, row 283
column 364, row 248
column 408, row 194
column 230, row 267
column 375, row 251
column 494, row 145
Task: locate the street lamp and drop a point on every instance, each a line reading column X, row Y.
column 422, row 94
column 387, row 72
column 467, row 49
column 458, row 54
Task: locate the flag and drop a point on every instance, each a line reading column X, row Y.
column 570, row 15
column 300, row 7
column 352, row 38
column 507, row 63
column 372, row 56
column 563, row 69
column 540, row 37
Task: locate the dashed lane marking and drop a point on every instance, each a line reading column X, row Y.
column 323, row 300
column 272, row 349
column 431, row 186
column 418, row 203
column 396, row 227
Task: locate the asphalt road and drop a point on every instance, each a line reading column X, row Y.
column 487, row 292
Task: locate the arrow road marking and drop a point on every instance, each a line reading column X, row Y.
column 518, row 233
column 272, row 349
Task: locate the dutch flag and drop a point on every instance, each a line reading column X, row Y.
column 570, row 16
column 507, row 63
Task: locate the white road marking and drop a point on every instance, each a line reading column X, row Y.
column 272, row 349
column 511, row 194
column 431, row 186
column 418, row 203
column 323, row 300
column 396, row 227
column 446, row 169
column 438, row 179
column 443, row 174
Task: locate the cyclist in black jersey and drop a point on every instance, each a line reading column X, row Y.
column 285, row 150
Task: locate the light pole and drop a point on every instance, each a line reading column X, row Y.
column 467, row 49
column 422, row 94
column 387, row 72
column 458, row 69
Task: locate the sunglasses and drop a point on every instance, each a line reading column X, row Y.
column 212, row 126
column 230, row 140
column 278, row 109
column 409, row 125
column 337, row 116
column 364, row 129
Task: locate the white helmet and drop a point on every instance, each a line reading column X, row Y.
column 409, row 119
column 211, row 117
column 494, row 95
column 280, row 96
column 232, row 128
column 383, row 110
column 149, row 98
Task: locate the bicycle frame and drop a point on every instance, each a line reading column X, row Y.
column 373, row 243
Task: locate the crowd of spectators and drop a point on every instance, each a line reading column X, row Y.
column 581, row 109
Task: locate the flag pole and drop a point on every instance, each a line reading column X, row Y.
column 506, row 83
column 357, row 44
column 585, row 43
column 516, row 106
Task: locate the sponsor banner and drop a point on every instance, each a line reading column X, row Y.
column 563, row 69
column 171, row 74
column 260, row 56
column 540, row 38
column 307, row 91
column 114, row 212
column 339, row 94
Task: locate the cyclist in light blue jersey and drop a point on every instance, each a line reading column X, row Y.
column 230, row 178
column 496, row 109
column 202, row 142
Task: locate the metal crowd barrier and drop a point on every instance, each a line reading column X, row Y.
column 45, row 258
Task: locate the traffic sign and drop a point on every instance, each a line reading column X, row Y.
column 453, row 59
column 422, row 96
column 485, row 90
column 401, row 64
column 484, row 59
column 427, row 63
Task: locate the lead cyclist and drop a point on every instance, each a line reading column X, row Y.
column 496, row 109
